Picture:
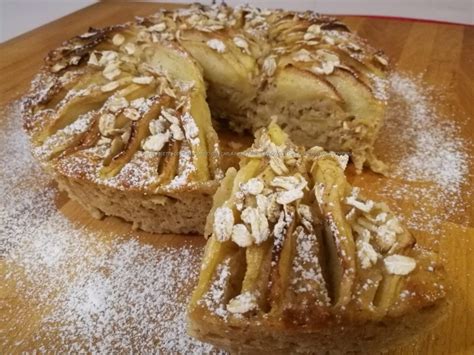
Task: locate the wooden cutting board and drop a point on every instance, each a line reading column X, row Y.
column 442, row 53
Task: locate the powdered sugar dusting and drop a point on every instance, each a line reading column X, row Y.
column 430, row 159
column 94, row 294
column 214, row 298
column 64, row 136
column 438, row 154
column 120, row 295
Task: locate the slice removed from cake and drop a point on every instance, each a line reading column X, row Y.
column 298, row 260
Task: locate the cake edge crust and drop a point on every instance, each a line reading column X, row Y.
column 338, row 338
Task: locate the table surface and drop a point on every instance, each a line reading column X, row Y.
column 443, row 54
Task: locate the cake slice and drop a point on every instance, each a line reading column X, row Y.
column 298, row 260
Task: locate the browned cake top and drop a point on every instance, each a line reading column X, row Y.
column 125, row 106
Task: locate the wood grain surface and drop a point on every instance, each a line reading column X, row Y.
column 443, row 54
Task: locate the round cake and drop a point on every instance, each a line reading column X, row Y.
column 121, row 116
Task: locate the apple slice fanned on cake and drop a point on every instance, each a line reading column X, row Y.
column 298, row 260
column 127, row 115
column 121, row 116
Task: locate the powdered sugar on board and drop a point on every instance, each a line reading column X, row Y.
column 429, row 158
column 120, row 295
column 93, row 295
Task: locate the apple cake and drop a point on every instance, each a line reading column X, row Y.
column 121, row 116
column 299, row 261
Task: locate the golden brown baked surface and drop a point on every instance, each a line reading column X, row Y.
column 128, row 108
column 298, row 260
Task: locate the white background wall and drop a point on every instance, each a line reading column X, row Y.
column 459, row 11
column 19, row 16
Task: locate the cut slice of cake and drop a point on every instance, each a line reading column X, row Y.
column 298, row 260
